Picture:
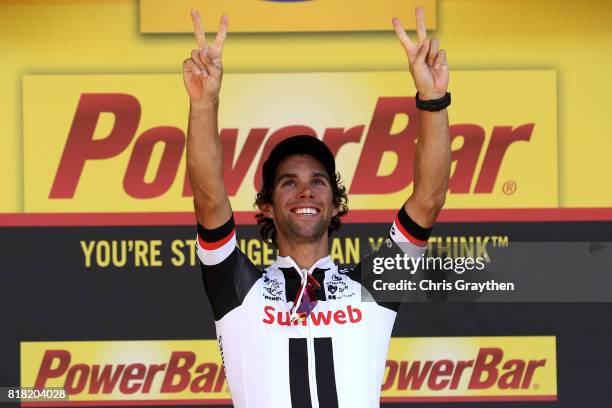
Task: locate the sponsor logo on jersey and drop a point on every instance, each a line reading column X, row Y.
column 95, row 372
column 273, row 288
column 124, row 150
column 349, row 315
column 470, row 369
column 337, row 288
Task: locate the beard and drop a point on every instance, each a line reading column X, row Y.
column 304, row 232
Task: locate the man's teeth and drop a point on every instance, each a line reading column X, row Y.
column 309, row 211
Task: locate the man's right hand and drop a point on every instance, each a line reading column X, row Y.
column 202, row 73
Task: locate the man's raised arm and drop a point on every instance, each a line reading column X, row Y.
column 202, row 74
column 429, row 70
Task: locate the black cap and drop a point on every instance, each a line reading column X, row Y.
column 301, row 144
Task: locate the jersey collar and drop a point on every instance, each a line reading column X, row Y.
column 293, row 274
column 288, row 262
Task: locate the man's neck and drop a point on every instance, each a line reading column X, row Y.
column 304, row 254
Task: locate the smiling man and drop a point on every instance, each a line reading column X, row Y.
column 299, row 333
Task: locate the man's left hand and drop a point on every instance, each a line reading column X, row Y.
column 427, row 62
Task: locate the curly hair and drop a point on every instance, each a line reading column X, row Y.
column 267, row 229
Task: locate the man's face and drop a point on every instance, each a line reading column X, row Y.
column 302, row 202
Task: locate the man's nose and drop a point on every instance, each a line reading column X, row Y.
column 305, row 190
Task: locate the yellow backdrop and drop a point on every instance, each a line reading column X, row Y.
column 102, row 37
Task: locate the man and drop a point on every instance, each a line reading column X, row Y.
column 298, row 334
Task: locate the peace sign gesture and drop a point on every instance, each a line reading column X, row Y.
column 427, row 64
column 202, row 72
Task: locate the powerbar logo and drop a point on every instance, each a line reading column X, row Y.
column 487, row 370
column 173, row 371
column 116, row 143
column 379, row 140
column 481, row 368
column 176, row 375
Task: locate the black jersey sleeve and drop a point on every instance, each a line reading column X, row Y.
column 228, row 274
column 405, row 237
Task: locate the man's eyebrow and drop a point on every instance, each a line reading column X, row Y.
column 285, row 175
column 324, row 175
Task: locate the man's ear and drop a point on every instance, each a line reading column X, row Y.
column 335, row 211
column 267, row 210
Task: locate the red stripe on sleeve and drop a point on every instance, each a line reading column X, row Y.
column 217, row 244
column 412, row 239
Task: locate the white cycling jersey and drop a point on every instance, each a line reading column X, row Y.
column 333, row 358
